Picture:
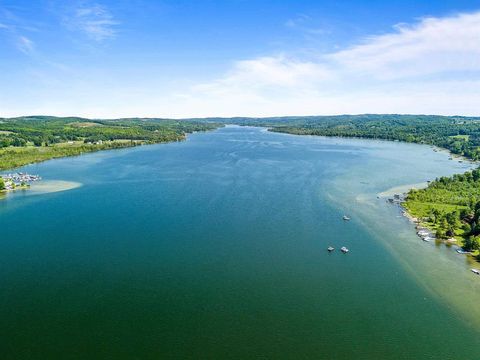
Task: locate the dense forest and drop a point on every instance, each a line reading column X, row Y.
column 31, row 139
column 47, row 130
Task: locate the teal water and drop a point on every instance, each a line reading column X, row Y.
column 216, row 248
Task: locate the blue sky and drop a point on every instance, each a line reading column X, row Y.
column 238, row 58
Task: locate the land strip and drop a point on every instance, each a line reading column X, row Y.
column 27, row 140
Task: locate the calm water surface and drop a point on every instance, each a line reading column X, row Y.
column 216, row 248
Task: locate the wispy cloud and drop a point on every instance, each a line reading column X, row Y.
column 303, row 23
column 25, row 45
column 16, row 31
column 92, row 19
column 298, row 20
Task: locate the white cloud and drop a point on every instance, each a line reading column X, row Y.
column 267, row 73
column 434, row 45
column 94, row 20
column 429, row 67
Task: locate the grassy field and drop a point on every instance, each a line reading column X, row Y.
column 423, row 209
column 12, row 157
column 461, row 137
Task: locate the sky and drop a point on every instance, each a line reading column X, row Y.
column 201, row 58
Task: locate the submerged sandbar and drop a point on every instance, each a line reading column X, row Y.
column 52, row 186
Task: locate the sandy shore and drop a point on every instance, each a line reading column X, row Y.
column 402, row 189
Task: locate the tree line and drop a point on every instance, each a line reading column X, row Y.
column 46, row 130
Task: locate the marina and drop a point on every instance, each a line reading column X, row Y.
column 18, row 180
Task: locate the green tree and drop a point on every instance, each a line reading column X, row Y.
column 440, row 234
column 467, row 228
column 471, row 243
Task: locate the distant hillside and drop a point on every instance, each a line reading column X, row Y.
column 29, row 139
column 460, row 135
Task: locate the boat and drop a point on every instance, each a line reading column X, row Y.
column 344, row 249
column 346, row 218
column 330, row 249
column 427, row 238
column 475, row 271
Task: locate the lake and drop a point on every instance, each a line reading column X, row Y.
column 215, row 248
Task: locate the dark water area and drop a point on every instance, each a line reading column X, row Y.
column 215, row 248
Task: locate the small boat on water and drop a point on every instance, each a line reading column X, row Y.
column 346, row 218
column 475, row 271
column 330, row 249
column 427, row 238
column 344, row 249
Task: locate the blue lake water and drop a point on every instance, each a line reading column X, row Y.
column 215, row 248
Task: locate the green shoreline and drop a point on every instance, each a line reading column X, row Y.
column 41, row 156
column 21, row 187
column 32, row 155
column 420, row 220
column 32, row 139
column 449, row 208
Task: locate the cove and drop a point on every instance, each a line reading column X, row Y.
column 215, row 247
